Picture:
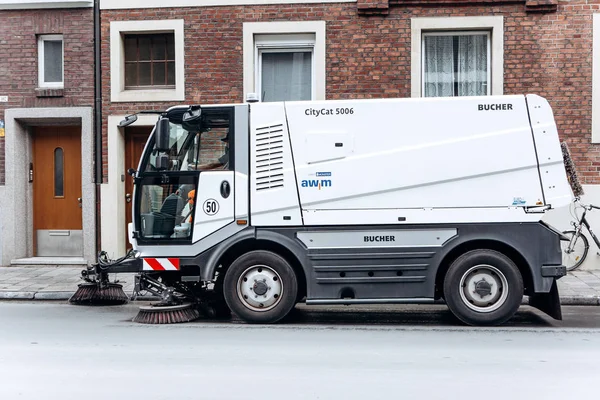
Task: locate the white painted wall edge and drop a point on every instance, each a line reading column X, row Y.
column 141, row 4
column 1, row 226
column 112, row 194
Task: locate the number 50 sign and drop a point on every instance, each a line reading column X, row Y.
column 211, row 207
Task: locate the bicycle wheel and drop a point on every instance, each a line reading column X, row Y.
column 573, row 257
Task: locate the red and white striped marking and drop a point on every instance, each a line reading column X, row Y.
column 160, row 264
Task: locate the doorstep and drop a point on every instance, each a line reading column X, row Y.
column 49, row 261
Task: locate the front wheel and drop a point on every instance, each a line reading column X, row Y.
column 483, row 287
column 260, row 287
column 575, row 250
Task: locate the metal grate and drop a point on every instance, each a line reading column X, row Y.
column 269, row 157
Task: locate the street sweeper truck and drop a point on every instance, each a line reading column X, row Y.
column 252, row 208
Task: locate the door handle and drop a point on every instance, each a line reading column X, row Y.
column 128, row 198
column 79, row 201
column 225, row 189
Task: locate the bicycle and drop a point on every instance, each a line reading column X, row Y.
column 571, row 252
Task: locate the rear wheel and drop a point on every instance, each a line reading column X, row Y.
column 573, row 254
column 260, row 287
column 483, row 287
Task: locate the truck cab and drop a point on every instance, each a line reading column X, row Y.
column 186, row 184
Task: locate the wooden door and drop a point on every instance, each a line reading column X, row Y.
column 135, row 141
column 57, row 213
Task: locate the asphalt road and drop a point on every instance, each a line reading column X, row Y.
column 58, row 351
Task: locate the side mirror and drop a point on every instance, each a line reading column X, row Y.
column 162, row 135
column 192, row 119
column 130, row 119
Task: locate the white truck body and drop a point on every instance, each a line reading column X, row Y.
column 430, row 160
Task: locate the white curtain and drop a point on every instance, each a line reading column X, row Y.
column 439, row 66
column 472, row 65
column 286, row 76
column 455, row 65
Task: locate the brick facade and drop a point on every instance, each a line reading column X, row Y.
column 19, row 62
column 547, row 51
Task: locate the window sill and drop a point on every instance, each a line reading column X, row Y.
column 49, row 92
column 148, row 95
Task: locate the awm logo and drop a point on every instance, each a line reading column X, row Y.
column 316, row 183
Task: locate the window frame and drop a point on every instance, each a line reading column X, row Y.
column 493, row 24
column 152, row 62
column 294, row 35
column 488, row 33
column 118, row 30
column 41, row 65
column 285, row 43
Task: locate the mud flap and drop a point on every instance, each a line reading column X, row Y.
column 548, row 303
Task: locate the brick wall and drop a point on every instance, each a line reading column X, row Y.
column 18, row 63
column 369, row 56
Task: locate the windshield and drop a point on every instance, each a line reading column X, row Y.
column 206, row 149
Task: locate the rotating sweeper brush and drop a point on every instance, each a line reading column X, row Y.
column 157, row 314
column 97, row 289
column 571, row 170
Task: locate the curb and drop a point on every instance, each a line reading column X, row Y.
column 565, row 301
column 55, row 296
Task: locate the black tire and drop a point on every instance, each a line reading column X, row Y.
column 567, row 262
column 278, row 281
column 506, row 289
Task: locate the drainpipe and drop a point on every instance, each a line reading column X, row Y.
column 98, row 117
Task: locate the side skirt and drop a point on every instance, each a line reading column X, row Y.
column 373, row 301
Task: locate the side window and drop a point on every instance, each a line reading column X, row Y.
column 214, row 153
column 212, row 148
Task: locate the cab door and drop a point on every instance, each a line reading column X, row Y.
column 215, row 203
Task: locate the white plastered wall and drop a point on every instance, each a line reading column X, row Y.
column 112, row 194
column 561, row 218
column 17, row 210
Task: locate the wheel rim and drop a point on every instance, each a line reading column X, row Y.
column 483, row 288
column 260, row 288
column 572, row 257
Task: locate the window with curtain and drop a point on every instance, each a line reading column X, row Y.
column 285, row 74
column 456, row 64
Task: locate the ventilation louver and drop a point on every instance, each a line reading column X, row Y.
column 269, row 157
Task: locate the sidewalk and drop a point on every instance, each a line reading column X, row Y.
column 48, row 283
column 59, row 283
